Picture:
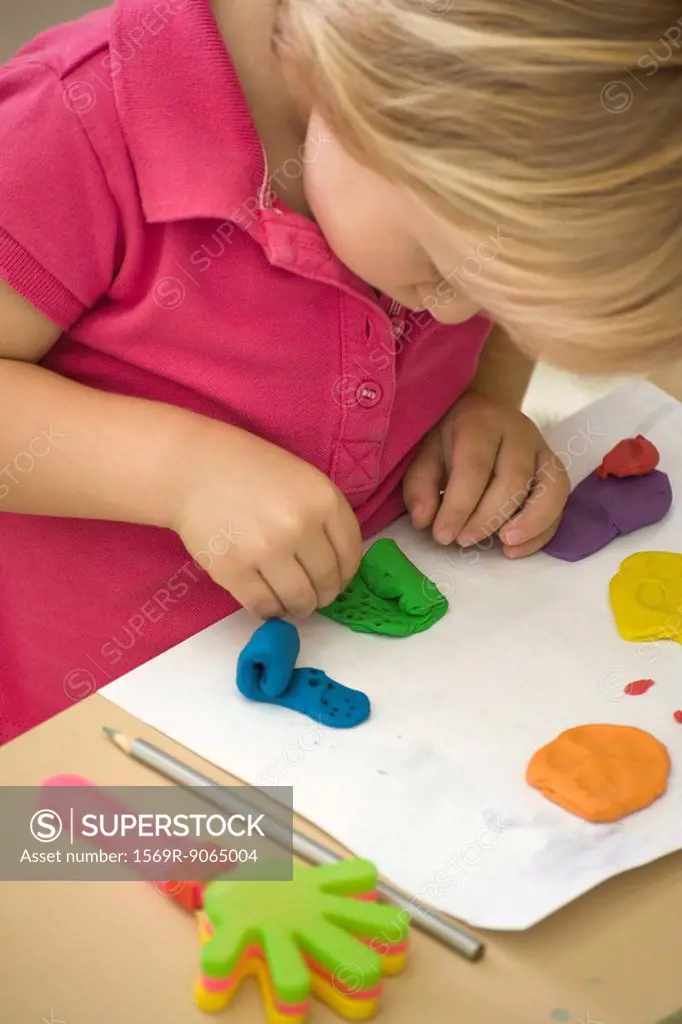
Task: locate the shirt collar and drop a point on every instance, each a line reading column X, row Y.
column 188, row 128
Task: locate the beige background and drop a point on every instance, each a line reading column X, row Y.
column 20, row 20
column 119, row 952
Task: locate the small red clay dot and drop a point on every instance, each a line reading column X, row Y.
column 678, row 716
column 638, row 687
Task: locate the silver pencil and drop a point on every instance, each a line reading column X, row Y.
column 427, row 920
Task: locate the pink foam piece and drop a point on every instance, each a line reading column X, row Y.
column 97, row 801
column 68, row 780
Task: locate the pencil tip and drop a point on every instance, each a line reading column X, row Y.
column 119, row 740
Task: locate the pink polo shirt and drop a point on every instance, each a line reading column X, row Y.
column 133, row 214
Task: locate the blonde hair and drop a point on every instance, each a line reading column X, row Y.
column 553, row 125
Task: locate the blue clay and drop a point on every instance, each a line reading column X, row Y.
column 266, row 664
column 266, row 672
column 316, row 695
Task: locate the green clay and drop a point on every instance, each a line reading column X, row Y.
column 390, row 574
column 388, row 595
column 313, row 914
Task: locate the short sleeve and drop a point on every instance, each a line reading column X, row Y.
column 58, row 220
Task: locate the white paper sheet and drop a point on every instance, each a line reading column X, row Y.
column 432, row 786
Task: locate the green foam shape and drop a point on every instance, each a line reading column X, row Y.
column 314, row 914
column 388, row 595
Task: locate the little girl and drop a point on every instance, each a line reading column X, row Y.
column 245, row 250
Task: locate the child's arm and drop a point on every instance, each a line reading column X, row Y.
column 91, row 455
column 504, row 372
column 69, row 450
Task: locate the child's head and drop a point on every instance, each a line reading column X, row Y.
column 534, row 154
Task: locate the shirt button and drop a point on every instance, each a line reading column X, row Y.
column 369, row 393
column 397, row 327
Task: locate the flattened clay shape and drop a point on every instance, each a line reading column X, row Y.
column 646, row 596
column 601, row 772
column 390, row 574
column 635, row 456
column 585, row 527
column 388, row 595
column 599, row 510
column 266, row 672
column 323, row 699
column 638, row 687
column 633, row 502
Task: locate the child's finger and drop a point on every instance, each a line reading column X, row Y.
column 321, row 565
column 506, row 493
column 542, row 510
column 289, row 581
column 343, row 531
column 422, row 485
column 257, row 597
column 473, row 461
column 531, row 546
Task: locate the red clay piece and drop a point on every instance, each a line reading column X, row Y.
column 638, row 687
column 677, row 715
column 635, row 456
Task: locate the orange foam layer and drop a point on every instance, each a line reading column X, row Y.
column 256, row 952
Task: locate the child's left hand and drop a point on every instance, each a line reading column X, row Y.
column 490, row 461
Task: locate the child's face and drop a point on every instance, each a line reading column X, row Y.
column 381, row 233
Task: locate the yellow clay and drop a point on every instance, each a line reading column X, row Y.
column 646, row 596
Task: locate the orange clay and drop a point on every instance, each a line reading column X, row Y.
column 601, row 772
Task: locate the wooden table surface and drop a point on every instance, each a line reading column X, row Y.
column 115, row 952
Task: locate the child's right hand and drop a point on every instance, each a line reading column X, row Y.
column 283, row 539
column 275, row 532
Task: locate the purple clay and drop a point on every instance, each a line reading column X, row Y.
column 585, row 527
column 598, row 511
column 635, row 501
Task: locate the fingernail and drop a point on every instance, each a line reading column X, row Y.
column 466, row 540
column 418, row 509
column 513, row 537
column 444, row 536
